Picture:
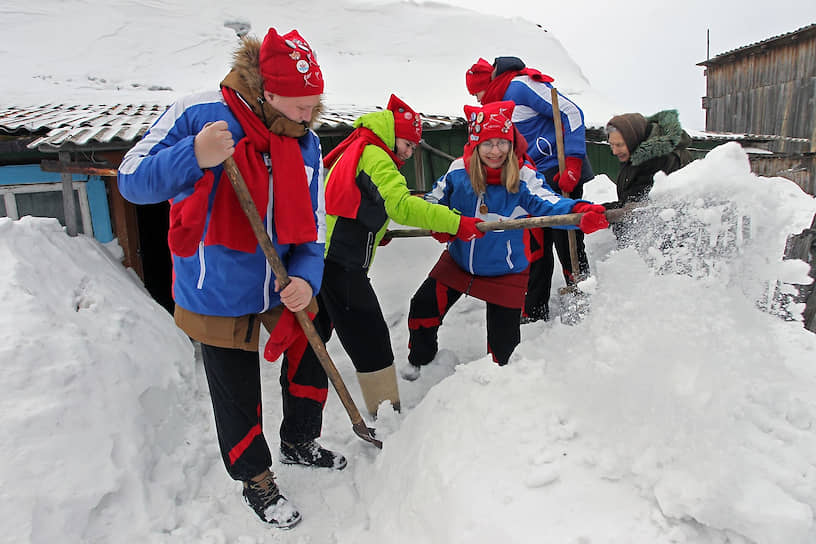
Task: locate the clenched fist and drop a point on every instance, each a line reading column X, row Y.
column 296, row 295
column 213, row 144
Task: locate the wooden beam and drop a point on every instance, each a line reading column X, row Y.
column 88, row 168
column 419, row 170
column 126, row 227
column 436, row 151
column 68, row 205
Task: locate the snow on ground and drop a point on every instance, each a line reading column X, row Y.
column 682, row 408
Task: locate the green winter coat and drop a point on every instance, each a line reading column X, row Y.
column 384, row 195
column 663, row 149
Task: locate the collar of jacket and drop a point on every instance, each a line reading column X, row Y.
column 664, row 135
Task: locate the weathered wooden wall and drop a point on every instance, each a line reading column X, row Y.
column 799, row 168
column 769, row 89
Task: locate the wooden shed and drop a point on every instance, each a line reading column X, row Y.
column 769, row 88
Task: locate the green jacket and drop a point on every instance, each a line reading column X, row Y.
column 384, row 195
column 663, row 149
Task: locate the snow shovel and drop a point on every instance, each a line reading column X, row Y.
column 617, row 215
column 574, row 302
column 247, row 204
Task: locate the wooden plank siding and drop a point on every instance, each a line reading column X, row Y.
column 799, row 168
column 769, row 88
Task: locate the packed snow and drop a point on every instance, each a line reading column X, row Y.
column 681, row 408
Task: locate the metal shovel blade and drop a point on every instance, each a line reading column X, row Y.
column 574, row 305
column 366, row 433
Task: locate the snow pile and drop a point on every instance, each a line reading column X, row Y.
column 677, row 411
column 95, row 393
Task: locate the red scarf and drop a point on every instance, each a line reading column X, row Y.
column 495, row 91
column 292, row 204
column 342, row 192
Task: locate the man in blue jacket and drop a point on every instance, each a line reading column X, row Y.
column 509, row 79
column 222, row 284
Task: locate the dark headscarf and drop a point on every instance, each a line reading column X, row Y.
column 632, row 127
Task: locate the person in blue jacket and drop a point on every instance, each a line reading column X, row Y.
column 492, row 181
column 223, row 286
column 509, row 79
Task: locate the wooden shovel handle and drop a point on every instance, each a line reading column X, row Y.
column 248, row 205
column 559, row 139
column 613, row 216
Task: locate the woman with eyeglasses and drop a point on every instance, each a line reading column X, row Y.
column 494, row 180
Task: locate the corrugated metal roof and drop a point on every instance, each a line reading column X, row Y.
column 88, row 125
column 764, row 43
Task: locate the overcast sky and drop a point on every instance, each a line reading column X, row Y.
column 644, row 54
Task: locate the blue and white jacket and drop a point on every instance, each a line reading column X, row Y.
column 533, row 116
column 497, row 252
column 212, row 279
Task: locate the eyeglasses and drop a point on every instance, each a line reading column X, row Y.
column 503, row 145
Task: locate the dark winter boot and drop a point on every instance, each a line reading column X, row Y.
column 265, row 499
column 539, row 313
column 310, row 454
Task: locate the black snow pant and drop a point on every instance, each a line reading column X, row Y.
column 542, row 262
column 349, row 306
column 431, row 303
column 234, row 379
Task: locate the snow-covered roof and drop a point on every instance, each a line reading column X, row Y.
column 730, row 136
column 97, row 125
column 773, row 41
column 148, row 52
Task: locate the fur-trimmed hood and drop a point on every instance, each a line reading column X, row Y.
column 663, row 135
column 246, row 79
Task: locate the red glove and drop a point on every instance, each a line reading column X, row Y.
column 572, row 174
column 583, row 207
column 442, row 237
column 592, row 221
column 467, row 230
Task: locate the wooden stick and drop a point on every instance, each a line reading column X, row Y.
column 248, row 205
column 559, row 138
column 613, row 216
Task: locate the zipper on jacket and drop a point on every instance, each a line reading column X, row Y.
column 509, row 256
column 369, row 249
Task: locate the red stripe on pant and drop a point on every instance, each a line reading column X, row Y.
column 239, row 449
column 295, row 355
column 423, row 323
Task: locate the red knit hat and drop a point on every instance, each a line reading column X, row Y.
column 289, row 66
column 478, row 76
column 492, row 120
column 407, row 123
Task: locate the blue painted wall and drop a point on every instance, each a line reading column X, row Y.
column 95, row 187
